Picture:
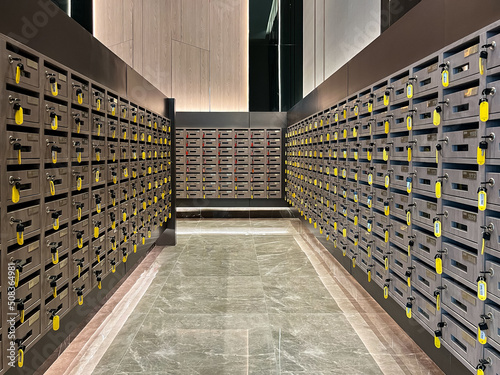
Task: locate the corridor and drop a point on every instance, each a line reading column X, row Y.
column 243, row 296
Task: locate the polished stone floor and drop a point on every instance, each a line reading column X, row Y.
column 248, row 296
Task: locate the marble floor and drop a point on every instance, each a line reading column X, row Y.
column 242, row 296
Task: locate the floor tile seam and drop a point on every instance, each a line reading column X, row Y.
column 311, row 251
column 277, row 366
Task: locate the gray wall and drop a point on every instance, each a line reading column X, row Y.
column 334, row 32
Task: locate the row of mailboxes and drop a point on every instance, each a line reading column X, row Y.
column 402, row 179
column 86, row 181
column 237, row 134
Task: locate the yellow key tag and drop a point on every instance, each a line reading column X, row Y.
column 482, row 290
column 408, row 281
column 445, row 77
column 125, row 135
column 54, row 123
column 481, row 336
column 484, row 111
column 480, row 371
column 353, row 262
column 98, row 104
column 113, row 225
column 125, row 257
column 96, row 232
column 387, row 181
column 437, row 228
column 369, row 251
column 99, row 285
column 344, row 232
column 80, row 300
column 143, row 240
column 386, row 291
column 79, row 242
column 386, row 263
column 20, row 238
column 15, row 194
column 408, row 312
column 54, row 89
column 18, row 74
column 437, row 342
column 98, row 156
column 344, row 133
column 55, row 323
column 55, row 224
column 481, row 200
column 436, row 118
column 437, row 189
column 385, row 155
column 344, row 113
column 481, row 156
column 20, row 358
column 335, row 225
column 370, row 107
column 369, row 155
column 482, row 63
column 438, row 302
column 386, row 236
column 408, row 218
column 19, row 116
column 55, row 260
column 409, row 122
column 386, row 209
column 369, row 276
column 386, row 126
column 386, row 99
column 409, row 90
column 80, row 98
column 79, row 213
column 370, row 178
column 79, row 184
column 409, row 154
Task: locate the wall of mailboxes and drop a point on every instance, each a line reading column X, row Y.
column 228, row 163
column 85, row 182
column 403, row 178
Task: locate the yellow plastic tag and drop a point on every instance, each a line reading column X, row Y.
column 369, row 251
column 481, row 200
column 369, row 276
column 96, row 232
column 353, row 262
column 408, row 218
column 409, row 122
column 386, row 235
column 370, row 178
column 54, row 89
column 386, row 126
column 99, row 285
column 445, row 78
column 113, row 225
column 408, row 281
column 54, row 123
column 79, row 242
column 98, row 104
column 438, row 302
column 386, row 99
column 482, row 63
column 19, row 116
column 79, row 271
column 481, row 156
column 80, row 98
column 436, row 118
column 481, row 336
column 484, row 111
column 55, row 323
column 20, row 358
column 409, row 90
column 369, row 155
column 408, row 312
column 437, row 189
column 344, row 232
column 80, row 300
column 482, row 290
column 385, row 155
column 370, row 107
column 480, row 371
column 18, row 74
column 387, row 181
column 386, row 210
column 386, row 263
column 437, row 342
column 21, row 316
column 15, row 194
column 143, row 240
column 79, row 184
column 344, row 133
column 344, row 113
column 20, row 238
column 386, row 291
column 55, row 224
column 55, row 257
column 437, row 228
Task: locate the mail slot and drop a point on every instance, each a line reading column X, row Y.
column 25, row 183
column 460, row 143
column 192, row 133
column 241, row 160
column 399, row 86
column 98, row 99
column 425, row 279
column 423, row 113
column 461, row 341
column 462, row 104
column 258, row 194
column 226, row 194
column 22, row 147
column 426, row 77
column 210, row 194
column 274, row 160
column 241, row 185
column 22, row 223
column 424, row 212
column 425, row 245
column 399, row 233
column 257, row 134
column 460, row 183
column 80, row 149
column 273, row 169
column 56, row 213
column 56, row 149
column 26, row 65
column 56, row 275
column 26, row 258
column 399, row 150
column 210, row 186
column 29, row 331
column 57, row 306
column 97, row 127
column 463, row 61
column 258, row 186
column 23, row 108
column 80, row 206
column 380, row 275
column 273, row 143
column 112, row 105
column 209, row 143
column 399, row 204
column 241, row 143
column 226, row 160
column 424, row 180
column 425, row 312
column 192, row 177
column 259, row 143
column 56, row 82
column 79, row 92
column 55, row 245
column 226, row 134
column 29, row 289
column 461, row 300
column 244, row 169
column 193, row 142
column 258, row 152
column 209, row 152
column 461, row 262
column 180, row 133
column 460, row 224
column 209, row 133
column 124, row 150
column 400, row 175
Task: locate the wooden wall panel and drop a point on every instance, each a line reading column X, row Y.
column 211, row 35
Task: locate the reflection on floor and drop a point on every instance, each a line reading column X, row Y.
column 244, row 296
